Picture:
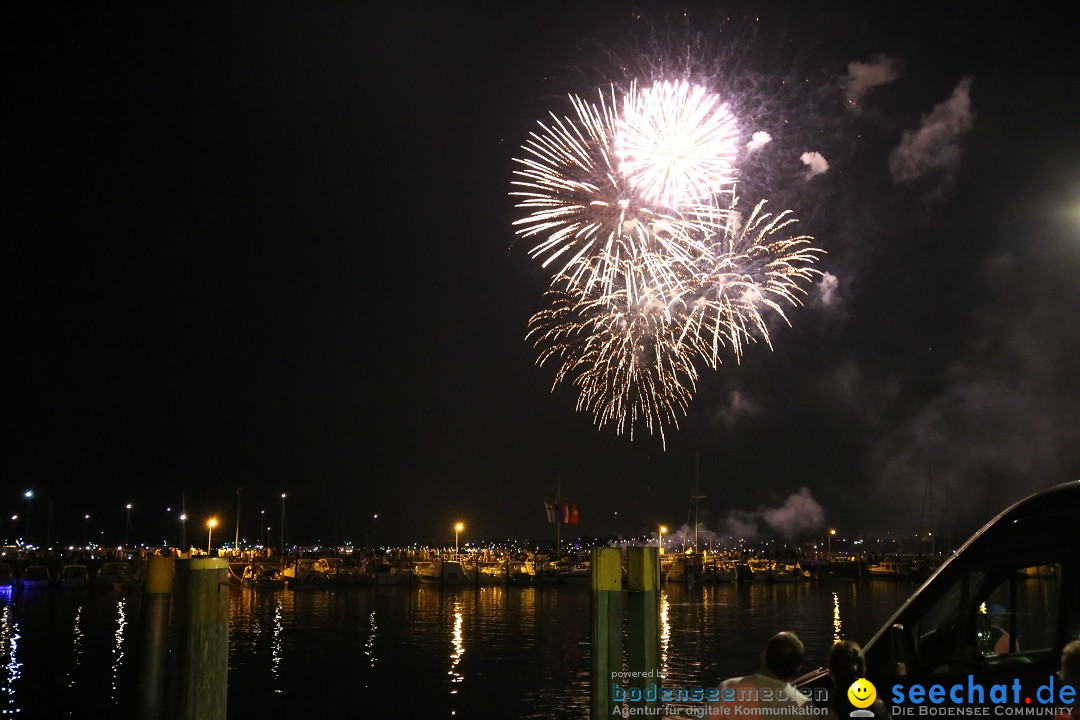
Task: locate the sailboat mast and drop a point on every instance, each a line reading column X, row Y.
column 558, row 516
column 697, row 497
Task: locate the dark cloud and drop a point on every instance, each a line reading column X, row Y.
column 935, row 145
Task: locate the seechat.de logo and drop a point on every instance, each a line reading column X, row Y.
column 862, row 694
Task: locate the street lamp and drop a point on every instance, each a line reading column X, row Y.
column 373, row 519
column 86, row 529
column 211, row 523
column 127, row 527
column 183, row 532
column 283, row 523
column 831, row 533
column 457, row 530
column 29, row 495
column 660, row 539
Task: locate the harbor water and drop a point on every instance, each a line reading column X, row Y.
column 415, row 650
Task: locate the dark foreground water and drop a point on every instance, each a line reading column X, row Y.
column 413, row 651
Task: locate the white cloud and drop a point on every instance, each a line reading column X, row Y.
column 863, row 77
column 800, row 514
column 738, row 406
column 815, row 162
column 828, row 289
column 935, row 144
column 758, row 140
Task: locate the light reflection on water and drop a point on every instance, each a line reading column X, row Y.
column 511, row 652
column 118, row 648
column 9, row 652
column 837, row 626
column 369, row 646
column 77, row 647
column 458, row 645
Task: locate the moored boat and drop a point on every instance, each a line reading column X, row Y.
column 7, row 576
column 787, row 573
column 719, row 572
column 307, row 573
column 117, row 576
column 261, row 577
column 36, row 577
column 449, row 572
column 891, row 568
column 74, row 576
column 684, row 569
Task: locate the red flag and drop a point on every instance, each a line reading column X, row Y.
column 573, row 515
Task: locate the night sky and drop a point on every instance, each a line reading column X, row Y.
column 269, row 246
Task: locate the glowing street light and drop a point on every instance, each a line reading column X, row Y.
column 86, row 529
column 831, row 533
column 29, row 495
column 660, row 538
column 127, row 526
column 373, row 519
column 283, row 522
column 183, row 532
column 211, row 523
column 457, row 531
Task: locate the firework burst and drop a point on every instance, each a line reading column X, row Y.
column 632, row 201
column 598, row 194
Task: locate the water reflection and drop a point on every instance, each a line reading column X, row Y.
column 458, row 644
column 9, row 650
column 369, row 646
column 118, row 647
column 77, row 646
column 528, row 647
column 665, row 632
column 837, row 626
column 275, row 647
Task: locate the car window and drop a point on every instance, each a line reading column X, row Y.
column 1019, row 615
column 936, row 634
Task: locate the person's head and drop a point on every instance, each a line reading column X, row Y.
column 1070, row 664
column 846, row 663
column 998, row 614
column 783, row 656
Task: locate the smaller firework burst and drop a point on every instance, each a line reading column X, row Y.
column 748, row 270
column 625, row 353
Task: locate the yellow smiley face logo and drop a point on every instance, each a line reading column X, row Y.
column 862, row 693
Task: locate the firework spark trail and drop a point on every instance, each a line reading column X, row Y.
column 632, row 353
column 745, row 272
column 625, row 352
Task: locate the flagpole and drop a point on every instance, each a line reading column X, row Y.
column 558, row 517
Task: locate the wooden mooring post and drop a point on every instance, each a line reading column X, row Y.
column 643, row 632
column 154, row 635
column 606, row 572
column 200, row 666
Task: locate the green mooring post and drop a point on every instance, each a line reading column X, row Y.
column 643, row 582
column 198, row 679
column 606, row 571
column 154, row 635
